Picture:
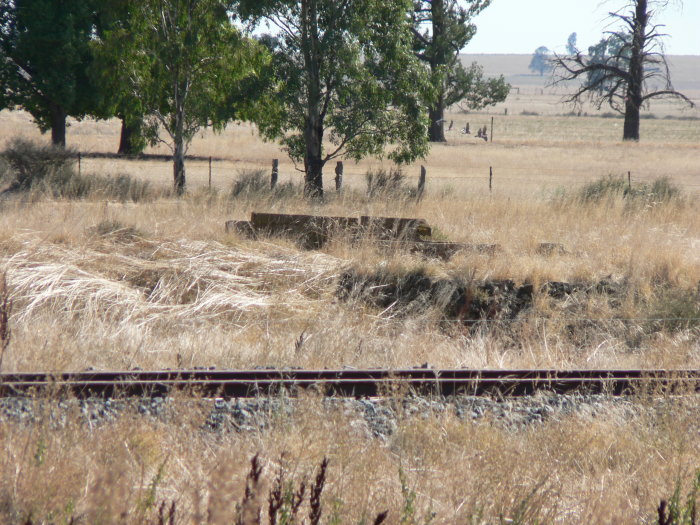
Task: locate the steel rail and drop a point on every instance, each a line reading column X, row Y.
column 346, row 382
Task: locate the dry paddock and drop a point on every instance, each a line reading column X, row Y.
column 158, row 283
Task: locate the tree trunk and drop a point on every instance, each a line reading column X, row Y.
column 58, row 125
column 179, row 168
column 441, row 52
column 129, row 138
column 313, row 129
column 313, row 160
column 436, row 131
column 631, row 126
column 633, row 99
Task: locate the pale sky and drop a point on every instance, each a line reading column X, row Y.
column 521, row 26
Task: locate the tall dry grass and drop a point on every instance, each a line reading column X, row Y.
column 157, row 283
column 160, row 284
column 613, row 464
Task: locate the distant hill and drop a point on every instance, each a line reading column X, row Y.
column 685, row 69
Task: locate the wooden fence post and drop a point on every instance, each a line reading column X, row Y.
column 490, row 179
column 629, row 180
column 79, row 163
column 210, row 172
column 275, row 173
column 421, row 183
column 491, row 129
column 339, row 176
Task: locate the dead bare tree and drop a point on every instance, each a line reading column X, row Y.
column 635, row 71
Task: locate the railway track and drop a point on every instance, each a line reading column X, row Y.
column 347, row 382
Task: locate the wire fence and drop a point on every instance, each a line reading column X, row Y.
column 222, row 172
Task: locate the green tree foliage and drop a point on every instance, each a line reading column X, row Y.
column 441, row 29
column 112, row 36
column 611, row 49
column 45, row 59
column 541, row 60
column 189, row 67
column 627, row 68
column 347, row 82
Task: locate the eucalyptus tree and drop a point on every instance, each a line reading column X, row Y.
column 112, row 36
column 441, row 29
column 347, row 83
column 632, row 72
column 188, row 66
column 541, row 61
column 45, row 61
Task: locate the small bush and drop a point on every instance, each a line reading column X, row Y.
column 662, row 189
column 610, row 114
column 256, row 183
column 33, row 165
column 49, row 170
column 675, row 310
column 388, row 184
column 526, row 113
column 121, row 187
column 607, row 188
column 250, row 182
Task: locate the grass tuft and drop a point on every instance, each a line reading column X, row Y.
column 388, row 185
column 610, row 188
column 48, row 170
column 251, row 184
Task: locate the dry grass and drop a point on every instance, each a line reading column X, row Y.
column 611, row 466
column 103, row 284
column 159, row 284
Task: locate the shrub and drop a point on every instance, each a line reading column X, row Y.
column 33, row 165
column 256, row 183
column 611, row 187
column 250, row 182
column 604, row 188
column 50, row 170
column 120, row 187
column 387, row 184
column 674, row 310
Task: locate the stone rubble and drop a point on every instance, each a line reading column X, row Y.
column 379, row 417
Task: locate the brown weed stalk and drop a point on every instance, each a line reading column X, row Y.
column 5, row 312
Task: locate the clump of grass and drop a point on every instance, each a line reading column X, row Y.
column 250, row 183
column 32, row 165
column 675, row 310
column 613, row 187
column 675, row 511
column 117, row 231
column 49, row 170
column 122, row 187
column 390, row 184
column 256, row 184
column 604, row 188
column 661, row 190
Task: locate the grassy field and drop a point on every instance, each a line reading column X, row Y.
column 156, row 282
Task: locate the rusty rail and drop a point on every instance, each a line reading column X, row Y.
column 347, row 383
